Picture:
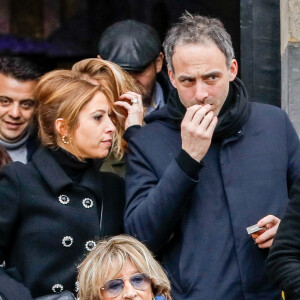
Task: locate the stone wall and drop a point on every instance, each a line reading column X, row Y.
column 290, row 59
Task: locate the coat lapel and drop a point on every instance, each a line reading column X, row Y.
column 50, row 170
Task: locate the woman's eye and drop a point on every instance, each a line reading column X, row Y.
column 137, row 279
column 97, row 117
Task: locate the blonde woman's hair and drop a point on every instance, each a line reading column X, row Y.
column 103, row 72
column 62, row 94
column 106, row 261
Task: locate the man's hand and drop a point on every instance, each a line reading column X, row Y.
column 265, row 240
column 197, row 128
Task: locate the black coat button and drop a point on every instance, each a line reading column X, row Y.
column 57, row 288
column 87, row 202
column 67, row 241
column 90, row 245
column 63, row 199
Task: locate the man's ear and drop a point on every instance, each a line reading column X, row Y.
column 233, row 69
column 61, row 126
column 159, row 62
column 172, row 78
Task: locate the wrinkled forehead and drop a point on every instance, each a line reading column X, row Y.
column 188, row 44
column 197, row 41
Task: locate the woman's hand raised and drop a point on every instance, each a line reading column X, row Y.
column 134, row 107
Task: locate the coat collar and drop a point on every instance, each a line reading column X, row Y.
column 56, row 178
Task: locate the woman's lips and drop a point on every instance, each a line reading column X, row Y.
column 107, row 142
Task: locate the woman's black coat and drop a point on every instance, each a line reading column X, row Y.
column 284, row 258
column 47, row 224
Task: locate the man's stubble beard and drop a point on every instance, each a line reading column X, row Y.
column 147, row 98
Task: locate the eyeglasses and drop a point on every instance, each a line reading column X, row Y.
column 114, row 287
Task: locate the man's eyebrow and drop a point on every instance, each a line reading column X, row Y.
column 5, row 97
column 211, row 73
column 184, row 77
column 22, row 100
column 29, row 99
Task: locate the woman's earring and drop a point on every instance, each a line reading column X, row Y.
column 66, row 140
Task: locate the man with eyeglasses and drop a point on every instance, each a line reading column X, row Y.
column 18, row 135
column 206, row 167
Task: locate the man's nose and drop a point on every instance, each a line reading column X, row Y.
column 136, row 77
column 201, row 92
column 14, row 111
column 129, row 291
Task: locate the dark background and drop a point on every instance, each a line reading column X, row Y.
column 60, row 32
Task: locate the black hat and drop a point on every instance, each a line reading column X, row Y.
column 130, row 44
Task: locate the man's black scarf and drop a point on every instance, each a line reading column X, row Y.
column 233, row 115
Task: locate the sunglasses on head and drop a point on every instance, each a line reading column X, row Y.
column 114, row 287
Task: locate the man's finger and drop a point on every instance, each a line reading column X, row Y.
column 268, row 234
column 212, row 126
column 190, row 112
column 206, row 120
column 265, row 245
column 269, row 219
column 200, row 115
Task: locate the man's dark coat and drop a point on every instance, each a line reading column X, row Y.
column 249, row 172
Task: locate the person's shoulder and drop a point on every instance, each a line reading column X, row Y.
column 157, row 120
column 16, row 169
column 263, row 108
column 146, row 134
column 266, row 117
column 159, row 297
column 16, row 165
column 267, row 112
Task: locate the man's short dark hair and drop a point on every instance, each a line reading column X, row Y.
column 20, row 68
column 198, row 30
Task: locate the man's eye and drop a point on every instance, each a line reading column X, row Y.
column 27, row 104
column 4, row 101
column 212, row 77
column 187, row 81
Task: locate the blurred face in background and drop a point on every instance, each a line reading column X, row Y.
column 17, row 107
column 146, row 79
